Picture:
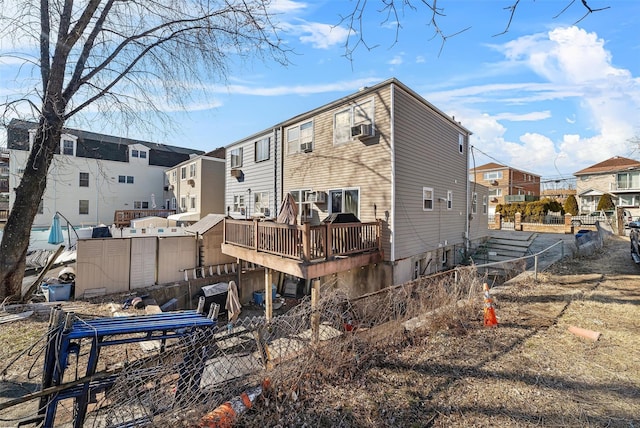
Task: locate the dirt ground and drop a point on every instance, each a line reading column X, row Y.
column 529, row 371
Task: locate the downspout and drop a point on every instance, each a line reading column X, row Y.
column 467, row 220
column 393, row 175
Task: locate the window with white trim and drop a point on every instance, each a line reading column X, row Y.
column 183, row 203
column 474, row 203
column 300, row 138
column 427, row 198
column 484, row 204
column 193, row 168
column 357, row 114
column 304, row 207
column 68, row 147
column 134, row 153
column 174, row 203
column 83, row 180
column 236, row 157
column 449, row 199
column 461, row 143
column 128, row 179
column 261, row 202
column 140, row 205
column 143, row 154
column 495, row 192
column 262, row 149
column 345, row 201
column 183, row 172
column 492, row 175
column 192, row 202
column 238, row 203
column 83, row 206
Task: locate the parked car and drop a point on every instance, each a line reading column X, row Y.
column 627, row 217
column 605, row 216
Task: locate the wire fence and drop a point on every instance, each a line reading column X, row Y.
column 333, row 338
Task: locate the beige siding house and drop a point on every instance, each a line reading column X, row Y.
column 617, row 176
column 386, row 155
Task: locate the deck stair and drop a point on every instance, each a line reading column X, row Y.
column 504, row 246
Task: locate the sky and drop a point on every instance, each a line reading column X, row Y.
column 554, row 94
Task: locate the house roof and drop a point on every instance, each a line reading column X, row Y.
column 489, row 166
column 101, row 146
column 363, row 91
column 205, row 224
column 614, row 164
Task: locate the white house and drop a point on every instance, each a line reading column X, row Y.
column 93, row 175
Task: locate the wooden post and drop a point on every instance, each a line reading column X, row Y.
column 328, row 236
column 315, row 314
column 255, row 234
column 306, row 242
column 268, row 298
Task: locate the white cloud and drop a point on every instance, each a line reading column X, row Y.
column 276, row 91
column 317, row 34
column 286, row 6
column 396, row 60
column 420, row 59
column 525, row 117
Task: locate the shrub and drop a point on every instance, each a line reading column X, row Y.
column 571, row 205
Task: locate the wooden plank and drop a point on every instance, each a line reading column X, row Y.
column 15, row 317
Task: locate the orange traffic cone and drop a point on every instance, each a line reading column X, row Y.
column 490, row 319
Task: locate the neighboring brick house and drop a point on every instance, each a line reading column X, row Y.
column 618, row 176
column 506, row 184
column 382, row 154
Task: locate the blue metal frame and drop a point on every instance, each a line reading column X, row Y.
column 63, row 341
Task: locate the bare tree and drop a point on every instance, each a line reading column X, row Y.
column 112, row 55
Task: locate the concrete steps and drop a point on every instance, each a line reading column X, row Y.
column 503, row 247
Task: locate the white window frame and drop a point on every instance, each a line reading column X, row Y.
column 359, row 113
column 262, row 149
column 239, row 204
column 235, row 157
column 81, row 207
column 449, row 199
column 261, row 203
column 492, row 175
column 193, row 203
column 474, row 203
column 140, row 205
column 183, row 203
column 427, row 198
column 174, row 203
column 134, row 153
column 183, row 173
column 342, row 193
column 484, row 204
column 143, row 154
column 496, row 193
column 304, row 207
column 193, row 170
column 298, row 135
column 68, row 138
column 82, row 180
column 461, row 143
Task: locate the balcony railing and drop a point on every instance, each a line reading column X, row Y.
column 306, row 242
column 122, row 218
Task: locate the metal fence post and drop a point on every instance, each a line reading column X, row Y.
column 535, row 267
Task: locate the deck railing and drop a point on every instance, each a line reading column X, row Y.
column 306, row 242
column 122, row 218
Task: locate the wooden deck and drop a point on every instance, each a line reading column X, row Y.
column 304, row 251
column 122, row 218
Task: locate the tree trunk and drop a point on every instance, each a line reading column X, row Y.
column 15, row 239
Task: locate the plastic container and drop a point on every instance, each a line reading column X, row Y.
column 56, row 292
column 258, row 297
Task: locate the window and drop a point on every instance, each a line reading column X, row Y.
column 125, row 179
column 238, row 203
column 304, row 208
column 183, row 173
column 262, row 149
column 83, row 206
column 174, row 176
column 449, row 199
column 629, row 180
column 134, row 153
column 344, row 120
column 68, row 147
column 236, row 158
column 495, row 192
column 173, row 204
column 474, row 203
column 183, row 203
column 143, row 155
column 427, row 199
column 140, row 205
column 192, row 203
column 193, row 168
column 627, row 200
column 484, row 204
column 461, row 143
column 300, row 138
column 84, row 179
column 129, row 179
column 492, row 175
column 261, row 202
column 345, row 201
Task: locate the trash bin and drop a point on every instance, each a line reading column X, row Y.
column 56, row 292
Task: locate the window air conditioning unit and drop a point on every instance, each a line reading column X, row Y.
column 494, row 200
column 306, row 147
column 494, row 183
column 364, row 130
column 191, row 182
column 318, row 197
column 236, row 172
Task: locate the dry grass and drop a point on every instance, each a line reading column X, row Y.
column 530, row 371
